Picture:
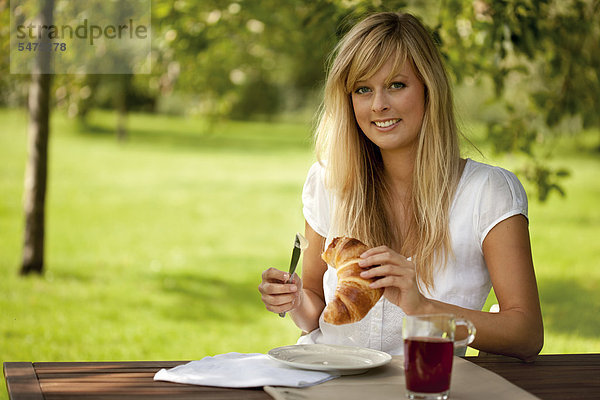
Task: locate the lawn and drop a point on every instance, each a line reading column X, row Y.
column 155, row 245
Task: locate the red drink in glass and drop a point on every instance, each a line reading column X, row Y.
column 428, row 364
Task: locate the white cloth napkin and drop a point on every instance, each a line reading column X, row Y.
column 239, row 370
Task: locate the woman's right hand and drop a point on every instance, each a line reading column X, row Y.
column 278, row 295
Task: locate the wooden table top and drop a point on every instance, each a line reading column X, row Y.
column 563, row 376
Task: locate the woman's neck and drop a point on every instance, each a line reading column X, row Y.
column 399, row 172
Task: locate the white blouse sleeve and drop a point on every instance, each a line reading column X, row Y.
column 315, row 200
column 502, row 196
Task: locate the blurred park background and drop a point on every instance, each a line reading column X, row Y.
column 169, row 193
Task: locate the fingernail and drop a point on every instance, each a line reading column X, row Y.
column 363, row 274
column 361, row 262
column 293, row 288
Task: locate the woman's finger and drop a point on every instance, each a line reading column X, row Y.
column 281, row 308
column 275, row 275
column 386, row 257
column 388, row 270
column 387, row 281
column 278, row 300
column 281, row 303
column 277, row 288
column 374, row 250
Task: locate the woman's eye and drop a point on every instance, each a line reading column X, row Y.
column 397, row 85
column 362, row 90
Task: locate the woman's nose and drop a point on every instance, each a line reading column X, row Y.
column 380, row 102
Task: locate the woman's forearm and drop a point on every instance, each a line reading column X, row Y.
column 306, row 315
column 512, row 332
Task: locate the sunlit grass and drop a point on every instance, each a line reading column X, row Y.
column 155, row 245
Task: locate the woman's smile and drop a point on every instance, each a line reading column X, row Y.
column 389, row 106
column 388, row 124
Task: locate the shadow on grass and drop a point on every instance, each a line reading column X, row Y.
column 258, row 137
column 94, row 130
column 199, row 298
column 221, row 141
column 568, row 307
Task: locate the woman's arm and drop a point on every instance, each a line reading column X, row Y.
column 516, row 330
column 306, row 316
column 304, row 298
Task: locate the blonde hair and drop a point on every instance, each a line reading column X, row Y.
column 354, row 167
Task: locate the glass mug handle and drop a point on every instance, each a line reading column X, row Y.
column 470, row 332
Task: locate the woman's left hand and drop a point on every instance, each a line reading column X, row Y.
column 397, row 275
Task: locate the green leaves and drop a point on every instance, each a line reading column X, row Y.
column 546, row 179
column 543, row 60
column 243, row 58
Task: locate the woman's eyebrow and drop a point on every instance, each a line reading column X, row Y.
column 399, row 76
column 358, row 84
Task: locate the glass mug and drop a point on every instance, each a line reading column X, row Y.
column 428, row 351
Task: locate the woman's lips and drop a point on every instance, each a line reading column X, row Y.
column 387, row 124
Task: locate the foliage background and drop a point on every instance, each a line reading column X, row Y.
column 155, row 244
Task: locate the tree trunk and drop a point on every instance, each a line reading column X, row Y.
column 122, row 82
column 37, row 162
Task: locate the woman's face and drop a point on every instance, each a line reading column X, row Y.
column 390, row 111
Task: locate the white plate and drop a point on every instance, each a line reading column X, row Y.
column 343, row 360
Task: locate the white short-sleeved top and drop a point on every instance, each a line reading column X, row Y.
column 485, row 196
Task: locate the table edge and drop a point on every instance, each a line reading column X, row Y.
column 21, row 375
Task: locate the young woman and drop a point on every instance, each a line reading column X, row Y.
column 442, row 230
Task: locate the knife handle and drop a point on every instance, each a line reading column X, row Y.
column 282, row 314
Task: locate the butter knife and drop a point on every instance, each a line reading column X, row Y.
column 300, row 243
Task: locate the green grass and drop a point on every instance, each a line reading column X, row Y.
column 155, row 246
column 566, row 250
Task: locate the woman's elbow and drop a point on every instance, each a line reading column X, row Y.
column 532, row 345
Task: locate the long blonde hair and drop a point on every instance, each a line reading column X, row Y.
column 354, row 167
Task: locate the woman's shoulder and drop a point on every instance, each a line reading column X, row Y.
column 316, row 199
column 491, row 185
column 486, row 195
column 481, row 168
column 316, row 168
column 476, row 172
column 316, row 174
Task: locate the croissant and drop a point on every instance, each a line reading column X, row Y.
column 353, row 296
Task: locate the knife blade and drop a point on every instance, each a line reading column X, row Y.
column 300, row 243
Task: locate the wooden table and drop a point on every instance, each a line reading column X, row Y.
column 564, row 376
